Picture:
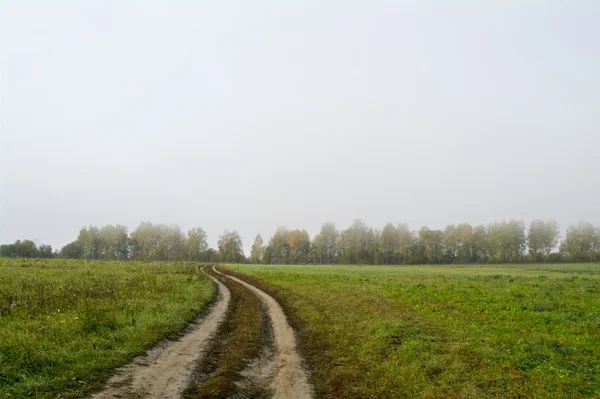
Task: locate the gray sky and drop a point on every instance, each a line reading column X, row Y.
column 252, row 115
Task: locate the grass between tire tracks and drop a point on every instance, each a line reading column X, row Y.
column 238, row 342
column 442, row 332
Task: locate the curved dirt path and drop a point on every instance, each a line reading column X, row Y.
column 165, row 370
column 290, row 380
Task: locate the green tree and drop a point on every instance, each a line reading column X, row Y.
column 357, row 244
column 89, row 241
column 328, row 241
column 542, row 238
column 581, row 242
column 197, row 244
column 318, row 249
column 113, row 242
column 20, row 249
column 373, row 242
column 231, row 247
column 459, row 243
column 480, row 247
column 267, row 256
column 406, row 243
column 507, row 240
column 72, row 250
column 452, row 242
column 299, row 247
column 144, row 242
column 45, row 251
column 432, row 245
column 466, row 239
column 258, row 250
column 389, row 244
column 279, row 247
column 172, row 245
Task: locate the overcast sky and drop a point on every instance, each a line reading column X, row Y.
column 252, row 115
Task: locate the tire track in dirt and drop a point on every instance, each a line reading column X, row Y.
column 290, row 380
column 165, row 370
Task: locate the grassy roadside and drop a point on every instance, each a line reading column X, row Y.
column 67, row 324
column 374, row 332
column 238, row 341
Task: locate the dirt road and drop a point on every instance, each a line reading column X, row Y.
column 165, row 370
column 290, row 380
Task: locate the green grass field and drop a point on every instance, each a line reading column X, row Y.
column 507, row 331
column 65, row 325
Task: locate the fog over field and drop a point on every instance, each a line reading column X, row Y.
column 233, row 115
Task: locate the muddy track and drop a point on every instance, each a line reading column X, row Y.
column 165, row 370
column 290, row 380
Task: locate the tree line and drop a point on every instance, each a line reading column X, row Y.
column 153, row 242
column 26, row 249
column 149, row 242
column 499, row 242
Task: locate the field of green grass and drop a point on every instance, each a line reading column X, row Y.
column 66, row 324
column 506, row 331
